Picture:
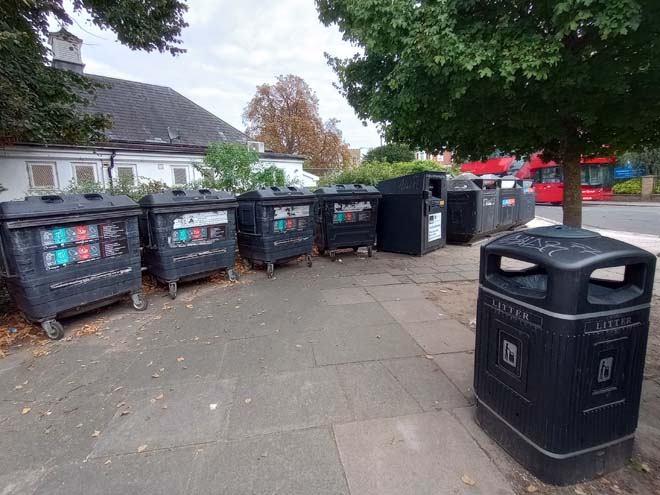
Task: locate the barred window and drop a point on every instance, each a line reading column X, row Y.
column 126, row 174
column 180, row 175
column 42, row 175
column 84, row 173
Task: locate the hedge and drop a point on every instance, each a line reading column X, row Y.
column 371, row 173
column 633, row 186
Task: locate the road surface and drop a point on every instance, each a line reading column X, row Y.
column 637, row 219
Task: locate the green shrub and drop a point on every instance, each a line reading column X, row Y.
column 371, row 173
column 120, row 186
column 632, row 186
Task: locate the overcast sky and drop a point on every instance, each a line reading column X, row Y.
column 233, row 46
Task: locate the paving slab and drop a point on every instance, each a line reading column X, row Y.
column 424, row 380
column 363, row 343
column 448, row 277
column 413, row 311
column 162, row 472
column 324, row 317
column 423, row 278
column 421, row 454
column 398, row 292
column 470, row 274
column 375, row 279
column 649, row 411
column 20, row 482
column 177, row 415
column 288, row 401
column 438, row 337
column 459, row 367
column 373, row 392
column 292, row 463
column 353, row 295
column 269, row 354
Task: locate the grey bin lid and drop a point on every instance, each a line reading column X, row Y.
column 562, row 232
column 181, row 197
column 348, row 190
column 278, row 193
column 55, row 205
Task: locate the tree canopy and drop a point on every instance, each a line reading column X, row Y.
column 285, row 116
column 391, row 152
column 564, row 77
column 39, row 103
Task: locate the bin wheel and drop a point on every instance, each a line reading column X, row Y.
column 248, row 263
column 370, row 251
column 232, row 275
column 355, row 249
column 54, row 329
column 270, row 269
column 333, row 254
column 172, row 290
column 139, row 302
column 308, row 259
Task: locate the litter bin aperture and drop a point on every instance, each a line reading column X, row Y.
column 67, row 254
column 346, row 216
column 472, row 210
column 510, row 198
column 275, row 225
column 188, row 234
column 412, row 214
column 527, row 210
column 562, row 325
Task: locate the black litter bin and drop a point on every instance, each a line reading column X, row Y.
column 66, row 254
column 412, row 213
column 472, row 209
column 188, row 234
column 275, row 226
column 509, row 202
column 527, row 210
column 560, row 349
column 346, row 216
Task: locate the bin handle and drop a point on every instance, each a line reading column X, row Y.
column 178, row 192
column 151, row 242
column 52, row 198
column 93, row 196
column 205, row 192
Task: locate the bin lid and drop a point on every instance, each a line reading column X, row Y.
column 348, row 190
column 409, row 184
column 55, row 205
column 278, row 193
column 510, row 182
column 177, row 197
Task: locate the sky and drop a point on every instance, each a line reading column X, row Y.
column 233, row 46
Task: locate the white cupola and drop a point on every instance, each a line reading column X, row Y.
column 66, row 51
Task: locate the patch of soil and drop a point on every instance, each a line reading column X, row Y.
column 458, row 299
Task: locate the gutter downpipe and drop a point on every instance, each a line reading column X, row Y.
column 112, row 166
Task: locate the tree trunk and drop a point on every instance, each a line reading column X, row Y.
column 572, row 191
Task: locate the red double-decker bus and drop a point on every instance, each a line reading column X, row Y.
column 597, row 176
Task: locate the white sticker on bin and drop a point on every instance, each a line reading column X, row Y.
column 435, row 227
column 291, row 211
column 353, row 206
column 200, row 219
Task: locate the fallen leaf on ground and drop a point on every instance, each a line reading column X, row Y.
column 26, row 410
column 124, row 413
column 180, row 359
column 109, row 461
column 467, row 480
column 248, row 400
column 141, row 448
column 532, row 489
column 159, row 396
column 428, row 356
column 120, row 404
column 96, row 433
column 579, row 491
column 155, row 375
column 189, row 306
column 18, row 387
column 213, row 407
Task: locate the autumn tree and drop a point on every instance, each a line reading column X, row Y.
column 565, row 77
column 285, row 116
column 39, row 103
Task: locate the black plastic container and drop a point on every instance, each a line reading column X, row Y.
column 527, row 210
column 560, row 351
column 66, row 254
column 472, row 208
column 275, row 225
column 346, row 216
column 188, row 234
column 509, row 202
column 412, row 218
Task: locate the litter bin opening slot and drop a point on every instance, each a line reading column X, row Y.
column 178, row 192
column 93, row 197
column 435, row 186
column 616, row 284
column 52, row 198
column 517, row 277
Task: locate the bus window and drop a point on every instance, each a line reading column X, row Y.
column 548, row 175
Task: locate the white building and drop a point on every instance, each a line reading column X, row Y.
column 156, row 134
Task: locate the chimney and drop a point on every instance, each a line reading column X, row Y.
column 66, row 51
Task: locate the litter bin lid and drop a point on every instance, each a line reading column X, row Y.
column 56, row 205
column 277, row 194
column 409, row 184
column 347, row 190
column 178, row 197
column 562, row 232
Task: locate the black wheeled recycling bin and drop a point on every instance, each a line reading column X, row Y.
column 66, row 254
column 188, row 234
column 412, row 213
column 527, row 210
column 346, row 216
column 471, row 207
column 275, row 225
column 509, row 202
column 560, row 349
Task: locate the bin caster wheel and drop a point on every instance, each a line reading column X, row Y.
column 248, row 264
column 308, row 259
column 370, row 251
column 270, row 269
column 333, row 255
column 139, row 302
column 172, row 290
column 54, row 329
column 232, row 275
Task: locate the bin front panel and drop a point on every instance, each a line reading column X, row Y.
column 347, row 222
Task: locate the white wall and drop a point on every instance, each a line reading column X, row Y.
column 155, row 166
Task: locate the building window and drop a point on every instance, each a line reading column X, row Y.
column 180, row 176
column 84, row 173
column 42, row 175
column 127, row 174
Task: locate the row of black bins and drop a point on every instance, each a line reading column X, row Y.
column 479, row 206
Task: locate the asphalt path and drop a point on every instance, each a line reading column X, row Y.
column 636, row 219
